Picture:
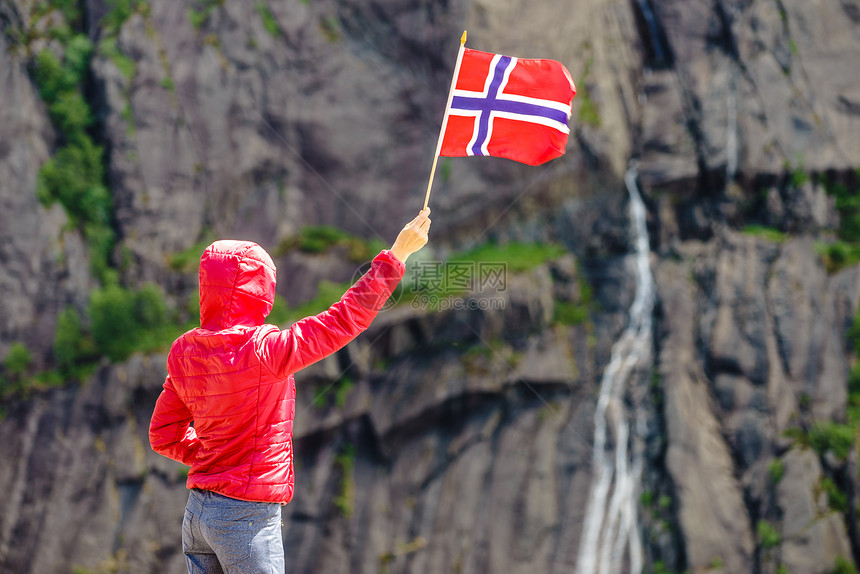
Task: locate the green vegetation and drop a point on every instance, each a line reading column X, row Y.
column 328, row 293
column 480, row 268
column 661, row 568
column 70, row 9
column 836, row 438
column 445, row 167
column 58, row 80
column 831, row 436
column 330, row 29
column 568, row 313
column 15, row 367
column 340, row 391
column 517, row 256
column 124, row 321
column 853, row 407
column 797, row 175
column 270, row 23
column 17, row 360
column 321, row 238
column 118, row 323
column 846, row 250
column 200, row 12
column 848, row 206
column 838, row 255
column 766, row 233
column 74, row 177
column 825, row 436
column 404, row 549
column 588, row 113
column 187, row 260
column 768, row 535
column 646, row 499
column 345, row 499
column 776, row 470
column 197, row 18
column 280, row 314
column 46, row 20
column 119, row 11
column 127, row 67
column 480, row 357
column 17, row 377
column 843, row 566
column 481, row 351
column 316, row 239
column 799, row 437
column 320, row 399
column 71, row 345
column 342, row 388
column 837, row 500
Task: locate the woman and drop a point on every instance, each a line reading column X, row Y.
column 233, row 379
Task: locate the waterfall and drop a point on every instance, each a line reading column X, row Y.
column 611, row 524
column 653, row 31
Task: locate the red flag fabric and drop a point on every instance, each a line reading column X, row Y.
column 515, row 108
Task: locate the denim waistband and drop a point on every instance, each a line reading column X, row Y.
column 198, row 498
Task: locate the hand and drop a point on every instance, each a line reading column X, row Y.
column 412, row 237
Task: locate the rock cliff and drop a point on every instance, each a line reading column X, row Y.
column 456, row 436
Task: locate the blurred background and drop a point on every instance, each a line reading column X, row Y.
column 640, row 357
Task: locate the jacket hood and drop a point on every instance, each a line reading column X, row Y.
column 237, row 285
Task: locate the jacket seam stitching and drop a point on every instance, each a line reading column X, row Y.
column 258, row 347
column 226, row 320
column 256, row 430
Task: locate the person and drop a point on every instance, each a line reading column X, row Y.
column 228, row 401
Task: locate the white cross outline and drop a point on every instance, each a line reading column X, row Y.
column 501, row 96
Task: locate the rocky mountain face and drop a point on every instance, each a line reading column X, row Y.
column 456, row 435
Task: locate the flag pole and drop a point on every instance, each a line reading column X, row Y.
column 445, row 117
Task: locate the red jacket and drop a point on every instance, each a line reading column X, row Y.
column 233, row 377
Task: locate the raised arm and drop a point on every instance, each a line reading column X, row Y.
column 314, row 338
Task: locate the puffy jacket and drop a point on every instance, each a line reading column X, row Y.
column 229, row 398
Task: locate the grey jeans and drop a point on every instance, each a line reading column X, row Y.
column 225, row 535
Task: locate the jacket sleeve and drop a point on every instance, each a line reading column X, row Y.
column 170, row 432
column 314, row 338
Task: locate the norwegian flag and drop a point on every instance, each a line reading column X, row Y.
column 509, row 107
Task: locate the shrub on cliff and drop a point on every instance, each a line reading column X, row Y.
column 124, row 321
